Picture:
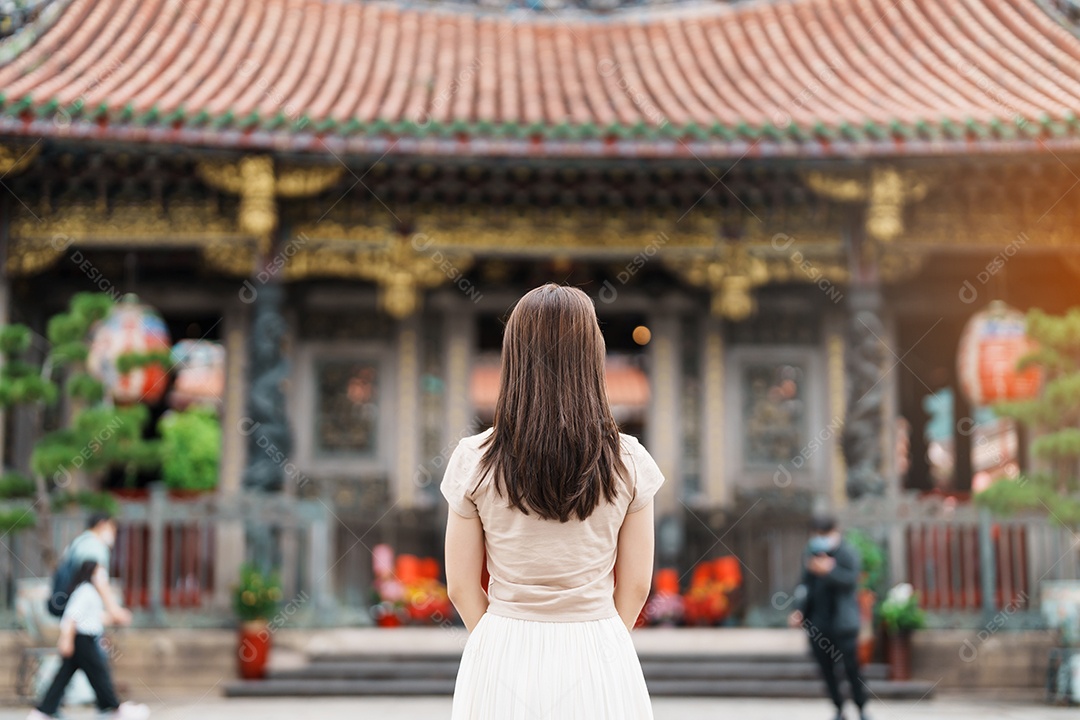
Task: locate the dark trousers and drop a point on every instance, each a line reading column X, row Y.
column 90, row 658
column 830, row 650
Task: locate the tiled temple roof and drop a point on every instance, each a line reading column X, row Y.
column 786, row 77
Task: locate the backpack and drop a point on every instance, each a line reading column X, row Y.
column 65, row 572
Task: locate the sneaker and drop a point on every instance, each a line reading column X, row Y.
column 36, row 714
column 127, row 711
column 132, row 711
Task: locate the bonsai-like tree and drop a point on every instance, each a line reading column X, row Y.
column 96, row 436
column 1053, row 419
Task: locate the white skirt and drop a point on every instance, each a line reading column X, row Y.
column 515, row 669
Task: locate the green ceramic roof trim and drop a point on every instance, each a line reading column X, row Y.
column 1004, row 129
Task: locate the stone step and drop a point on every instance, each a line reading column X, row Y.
column 644, row 656
column 881, row 689
column 654, row 668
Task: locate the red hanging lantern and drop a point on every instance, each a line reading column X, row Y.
column 130, row 327
column 992, row 343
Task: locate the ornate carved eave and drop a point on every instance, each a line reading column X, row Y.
column 258, row 183
column 886, row 192
column 40, row 240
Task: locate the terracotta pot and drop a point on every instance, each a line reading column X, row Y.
column 899, row 654
column 187, row 494
column 867, row 598
column 253, row 649
column 133, row 494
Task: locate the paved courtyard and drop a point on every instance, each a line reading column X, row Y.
column 214, row 708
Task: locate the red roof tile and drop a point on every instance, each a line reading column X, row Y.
column 786, row 77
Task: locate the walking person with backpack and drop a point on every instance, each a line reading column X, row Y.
column 94, row 544
column 81, row 628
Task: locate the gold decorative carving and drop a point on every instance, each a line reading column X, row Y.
column 886, row 192
column 735, row 269
column 41, row 238
column 730, row 276
column 258, row 211
column 890, row 190
column 231, row 257
column 29, row 258
column 253, row 178
column 16, row 158
column 295, row 182
column 400, row 267
column 841, row 189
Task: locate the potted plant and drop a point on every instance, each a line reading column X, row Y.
column 901, row 615
column 388, row 591
column 872, row 561
column 190, row 450
column 666, row 607
column 255, row 600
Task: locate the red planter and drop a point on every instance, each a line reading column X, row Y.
column 899, row 655
column 867, row 599
column 132, row 494
column 253, row 649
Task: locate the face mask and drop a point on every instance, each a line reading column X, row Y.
column 820, row 544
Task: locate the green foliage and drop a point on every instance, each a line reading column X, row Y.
column 900, row 611
column 91, row 307
column 132, row 360
column 1053, row 419
column 92, row 501
column 14, row 339
column 69, row 353
column 83, row 386
column 16, row 485
column 13, row 519
column 191, row 449
column 100, row 437
column 27, row 389
column 872, row 558
column 66, row 328
column 257, row 596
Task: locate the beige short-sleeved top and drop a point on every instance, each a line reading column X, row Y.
column 543, row 569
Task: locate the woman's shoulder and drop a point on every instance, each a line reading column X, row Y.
column 632, row 446
column 474, row 443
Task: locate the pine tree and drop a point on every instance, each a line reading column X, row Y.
column 1053, row 421
column 98, row 435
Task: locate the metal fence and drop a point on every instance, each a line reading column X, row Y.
column 963, row 562
column 181, row 556
column 962, row 559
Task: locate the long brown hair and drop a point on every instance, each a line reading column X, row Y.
column 555, row 447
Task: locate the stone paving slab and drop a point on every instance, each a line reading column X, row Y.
column 214, row 708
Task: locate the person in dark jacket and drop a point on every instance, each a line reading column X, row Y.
column 827, row 607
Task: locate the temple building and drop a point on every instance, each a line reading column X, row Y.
column 785, row 211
